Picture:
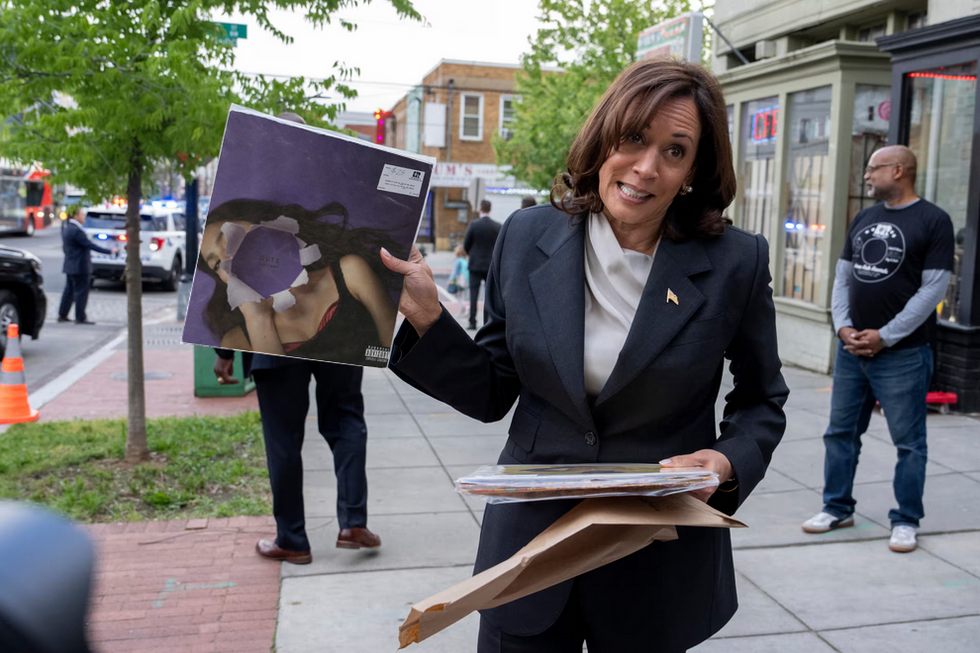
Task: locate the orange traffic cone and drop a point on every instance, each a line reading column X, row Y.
column 13, row 387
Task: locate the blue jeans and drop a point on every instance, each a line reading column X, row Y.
column 899, row 379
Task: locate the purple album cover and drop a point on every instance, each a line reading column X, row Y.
column 290, row 260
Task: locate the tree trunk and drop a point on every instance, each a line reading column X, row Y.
column 136, row 446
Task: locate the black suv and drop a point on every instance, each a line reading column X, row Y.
column 22, row 299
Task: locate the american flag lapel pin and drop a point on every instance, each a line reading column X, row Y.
column 671, row 297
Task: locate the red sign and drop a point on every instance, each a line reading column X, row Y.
column 764, row 125
column 885, row 110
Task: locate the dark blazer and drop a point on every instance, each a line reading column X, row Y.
column 659, row 401
column 478, row 242
column 77, row 248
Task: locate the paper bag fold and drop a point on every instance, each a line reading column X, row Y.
column 594, row 533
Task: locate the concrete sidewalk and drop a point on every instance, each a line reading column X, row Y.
column 843, row 591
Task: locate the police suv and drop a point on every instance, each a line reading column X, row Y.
column 162, row 242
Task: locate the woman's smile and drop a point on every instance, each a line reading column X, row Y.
column 633, row 194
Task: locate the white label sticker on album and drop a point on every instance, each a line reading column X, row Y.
column 403, row 181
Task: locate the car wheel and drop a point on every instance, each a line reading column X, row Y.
column 29, row 226
column 9, row 314
column 170, row 283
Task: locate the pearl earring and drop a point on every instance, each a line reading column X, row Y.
column 686, row 190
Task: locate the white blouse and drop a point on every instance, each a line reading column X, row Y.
column 614, row 281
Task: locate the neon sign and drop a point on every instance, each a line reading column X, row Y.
column 764, row 123
column 970, row 78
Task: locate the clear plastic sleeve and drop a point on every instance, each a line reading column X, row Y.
column 515, row 483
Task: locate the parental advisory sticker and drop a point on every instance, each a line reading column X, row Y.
column 403, row 181
column 377, row 354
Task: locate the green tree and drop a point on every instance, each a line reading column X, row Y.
column 593, row 41
column 102, row 91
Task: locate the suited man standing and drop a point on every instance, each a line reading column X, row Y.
column 77, row 266
column 283, row 388
column 480, row 238
column 282, row 384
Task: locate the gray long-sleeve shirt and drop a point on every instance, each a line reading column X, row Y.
column 916, row 311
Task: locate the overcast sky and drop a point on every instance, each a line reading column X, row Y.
column 393, row 54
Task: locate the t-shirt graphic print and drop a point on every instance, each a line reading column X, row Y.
column 889, row 249
column 879, row 250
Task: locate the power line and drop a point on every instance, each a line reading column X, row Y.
column 375, row 83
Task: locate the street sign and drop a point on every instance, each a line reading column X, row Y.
column 231, row 32
column 679, row 37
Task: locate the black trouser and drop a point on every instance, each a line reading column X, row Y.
column 572, row 628
column 284, row 400
column 76, row 289
column 476, row 278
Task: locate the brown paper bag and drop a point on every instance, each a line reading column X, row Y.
column 594, row 533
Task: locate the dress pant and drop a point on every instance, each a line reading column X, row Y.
column 76, row 290
column 476, row 279
column 899, row 379
column 284, row 400
column 572, row 628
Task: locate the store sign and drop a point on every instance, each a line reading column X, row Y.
column 679, row 37
column 461, row 175
column 764, row 124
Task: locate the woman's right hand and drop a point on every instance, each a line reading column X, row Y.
column 420, row 297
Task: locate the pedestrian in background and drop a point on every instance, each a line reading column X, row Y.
column 478, row 242
column 283, row 388
column 459, row 278
column 78, row 265
column 527, row 202
column 894, row 270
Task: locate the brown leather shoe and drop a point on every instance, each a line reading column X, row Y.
column 355, row 538
column 269, row 549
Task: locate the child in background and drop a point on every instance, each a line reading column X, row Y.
column 459, row 279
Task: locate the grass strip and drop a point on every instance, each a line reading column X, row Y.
column 199, row 467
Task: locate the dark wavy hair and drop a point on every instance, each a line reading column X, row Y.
column 626, row 108
column 334, row 240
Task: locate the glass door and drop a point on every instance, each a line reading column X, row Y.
column 760, row 120
column 940, row 133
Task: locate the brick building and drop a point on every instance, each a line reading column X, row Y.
column 454, row 115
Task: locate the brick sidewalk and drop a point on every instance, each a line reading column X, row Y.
column 98, row 394
column 183, row 587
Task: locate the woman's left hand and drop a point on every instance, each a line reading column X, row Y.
column 713, row 461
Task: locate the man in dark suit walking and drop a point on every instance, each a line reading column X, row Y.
column 283, row 388
column 480, row 238
column 77, row 267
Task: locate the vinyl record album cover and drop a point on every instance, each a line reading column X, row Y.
column 289, row 261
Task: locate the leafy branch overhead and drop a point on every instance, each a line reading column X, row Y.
column 100, row 92
column 92, row 89
column 592, row 41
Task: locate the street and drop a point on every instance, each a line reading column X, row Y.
column 61, row 345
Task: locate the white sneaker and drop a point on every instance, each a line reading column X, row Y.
column 903, row 539
column 824, row 521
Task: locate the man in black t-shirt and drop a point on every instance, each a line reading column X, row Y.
column 893, row 272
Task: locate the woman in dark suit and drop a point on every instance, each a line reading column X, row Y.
column 608, row 317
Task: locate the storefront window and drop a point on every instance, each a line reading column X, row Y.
column 807, row 169
column 760, row 121
column 869, row 132
column 940, row 130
